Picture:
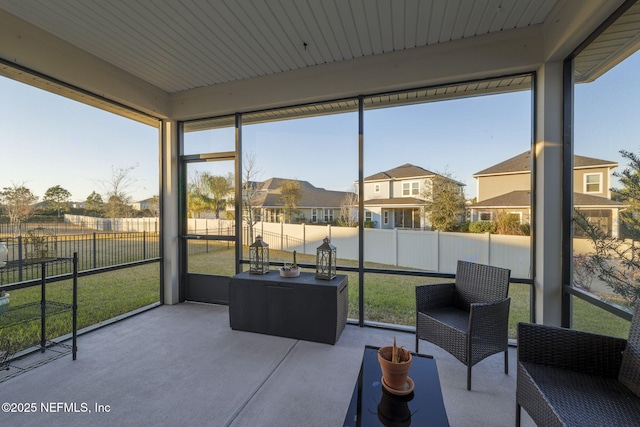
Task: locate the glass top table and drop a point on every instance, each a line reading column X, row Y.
column 372, row 405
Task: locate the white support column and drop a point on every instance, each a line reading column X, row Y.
column 170, row 229
column 548, row 181
column 615, row 223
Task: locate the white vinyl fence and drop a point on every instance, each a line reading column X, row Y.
column 424, row 250
column 114, row 224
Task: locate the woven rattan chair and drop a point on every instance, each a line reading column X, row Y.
column 468, row 318
column 574, row 378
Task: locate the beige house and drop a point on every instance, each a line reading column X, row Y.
column 396, row 198
column 315, row 205
column 506, row 187
column 151, row 203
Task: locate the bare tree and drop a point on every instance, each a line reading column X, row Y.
column 154, row 205
column 18, row 202
column 250, row 191
column 349, row 209
column 117, row 192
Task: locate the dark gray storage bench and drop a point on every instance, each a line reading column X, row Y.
column 301, row 307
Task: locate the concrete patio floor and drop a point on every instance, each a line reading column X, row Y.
column 182, row 365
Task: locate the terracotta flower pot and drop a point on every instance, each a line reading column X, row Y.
column 394, row 375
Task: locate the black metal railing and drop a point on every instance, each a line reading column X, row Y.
column 95, row 250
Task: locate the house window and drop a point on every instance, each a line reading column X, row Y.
column 368, row 216
column 385, row 216
column 314, row 215
column 593, row 182
column 376, row 188
column 485, row 216
column 517, row 215
column 328, row 215
column 410, row 188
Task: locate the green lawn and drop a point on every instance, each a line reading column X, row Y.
column 388, row 298
column 587, row 317
column 100, row 297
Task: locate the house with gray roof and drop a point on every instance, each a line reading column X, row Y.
column 315, row 205
column 396, row 198
column 506, row 187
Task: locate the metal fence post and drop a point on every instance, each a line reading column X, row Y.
column 144, row 245
column 95, row 251
column 20, row 258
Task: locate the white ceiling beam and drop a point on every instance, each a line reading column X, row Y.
column 485, row 56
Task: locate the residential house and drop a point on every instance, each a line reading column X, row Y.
column 396, row 198
column 315, row 205
column 151, row 203
column 506, row 187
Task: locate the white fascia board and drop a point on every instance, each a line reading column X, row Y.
column 34, row 49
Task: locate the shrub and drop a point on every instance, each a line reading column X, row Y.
column 482, row 227
column 508, row 223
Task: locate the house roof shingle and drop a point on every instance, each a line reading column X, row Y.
column 522, row 163
column 523, row 199
column 310, row 197
column 404, row 171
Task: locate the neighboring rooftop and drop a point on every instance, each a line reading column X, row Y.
column 406, row 171
column 522, row 199
column 401, row 172
column 522, row 164
column 270, row 195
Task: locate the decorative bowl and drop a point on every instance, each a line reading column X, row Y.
column 294, row 272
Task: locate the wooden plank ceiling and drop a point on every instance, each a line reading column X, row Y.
column 178, row 45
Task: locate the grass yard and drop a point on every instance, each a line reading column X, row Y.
column 587, row 317
column 389, row 298
column 100, row 297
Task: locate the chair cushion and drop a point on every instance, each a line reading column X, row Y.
column 452, row 316
column 583, row 399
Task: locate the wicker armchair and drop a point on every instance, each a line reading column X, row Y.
column 573, row 378
column 468, row 318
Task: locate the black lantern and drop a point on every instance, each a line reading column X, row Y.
column 258, row 257
column 326, row 260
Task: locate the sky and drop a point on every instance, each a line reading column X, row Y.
column 48, row 140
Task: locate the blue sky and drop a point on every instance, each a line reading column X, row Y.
column 49, row 140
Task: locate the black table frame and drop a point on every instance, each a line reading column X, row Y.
column 370, row 403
